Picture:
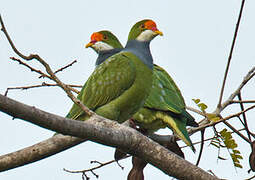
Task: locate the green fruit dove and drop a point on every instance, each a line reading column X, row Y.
column 165, row 106
column 119, row 86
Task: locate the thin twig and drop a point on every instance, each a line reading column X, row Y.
column 11, row 43
column 201, row 146
column 244, row 116
column 52, row 76
column 61, row 69
column 253, row 177
column 230, row 54
column 253, row 135
column 208, row 139
column 243, row 101
column 42, row 75
column 195, row 110
column 238, row 133
column 68, row 65
column 30, row 67
column 246, row 79
column 44, row 84
column 97, row 167
column 203, row 126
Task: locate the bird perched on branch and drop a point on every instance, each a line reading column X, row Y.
column 106, row 47
column 165, row 106
column 110, row 45
column 119, row 86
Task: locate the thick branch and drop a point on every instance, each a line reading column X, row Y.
column 51, row 146
column 159, row 139
column 38, row 151
column 109, row 133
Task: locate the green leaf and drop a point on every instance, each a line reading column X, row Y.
column 238, row 165
column 238, row 156
column 196, row 100
column 230, row 144
column 235, row 151
column 202, row 106
column 223, row 132
column 215, row 119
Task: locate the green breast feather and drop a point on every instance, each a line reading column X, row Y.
column 114, row 89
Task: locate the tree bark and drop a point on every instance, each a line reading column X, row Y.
column 38, row 151
column 110, row 133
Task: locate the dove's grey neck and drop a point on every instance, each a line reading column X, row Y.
column 103, row 55
column 142, row 50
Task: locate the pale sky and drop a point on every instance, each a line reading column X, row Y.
column 194, row 50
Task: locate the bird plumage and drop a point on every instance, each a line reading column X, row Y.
column 118, row 86
column 165, row 106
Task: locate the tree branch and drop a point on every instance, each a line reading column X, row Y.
column 230, row 53
column 110, row 133
column 38, row 151
column 100, row 165
column 243, row 101
column 31, row 68
column 205, row 125
column 51, row 76
column 61, row 69
column 158, row 138
column 44, row 84
column 244, row 117
column 246, row 79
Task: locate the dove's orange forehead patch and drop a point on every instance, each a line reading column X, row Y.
column 150, row 25
column 96, row 37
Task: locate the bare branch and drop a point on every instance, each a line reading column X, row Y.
column 31, row 68
column 96, row 167
column 48, row 70
column 61, row 69
column 164, row 139
column 250, row 178
column 11, row 43
column 244, row 117
column 109, row 133
column 243, row 101
column 44, row 84
column 53, row 146
column 246, row 79
column 201, row 146
column 208, row 139
column 195, row 110
column 237, row 132
column 230, row 53
column 205, row 125
column 67, row 89
column 38, row 151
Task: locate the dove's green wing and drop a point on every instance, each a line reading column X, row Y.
column 165, row 107
column 110, row 90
